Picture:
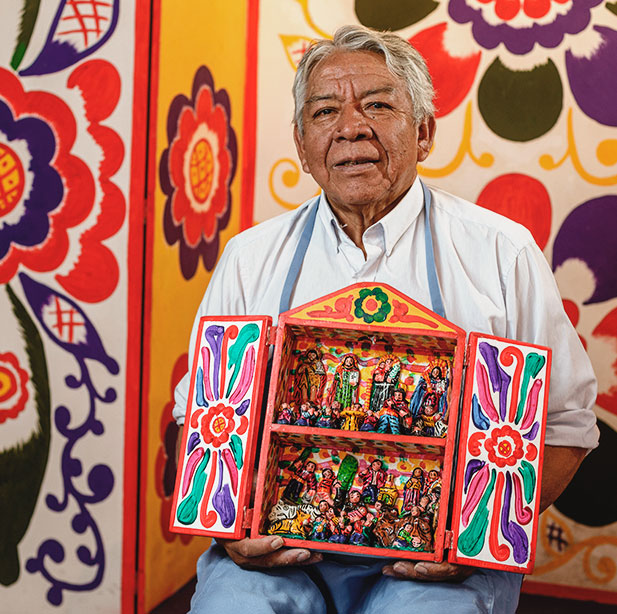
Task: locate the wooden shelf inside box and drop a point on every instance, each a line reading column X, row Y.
column 360, row 440
column 398, row 453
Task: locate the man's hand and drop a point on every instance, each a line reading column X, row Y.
column 427, row 571
column 265, row 552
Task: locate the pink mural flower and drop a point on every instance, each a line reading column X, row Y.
column 48, row 194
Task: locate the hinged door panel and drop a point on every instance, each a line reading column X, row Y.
column 496, row 500
column 213, row 483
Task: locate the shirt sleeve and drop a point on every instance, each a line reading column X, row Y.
column 223, row 296
column 536, row 315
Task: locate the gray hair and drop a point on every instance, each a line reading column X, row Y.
column 401, row 59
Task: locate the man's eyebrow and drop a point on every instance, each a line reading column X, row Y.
column 386, row 89
column 319, row 98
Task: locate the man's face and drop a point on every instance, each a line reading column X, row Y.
column 360, row 141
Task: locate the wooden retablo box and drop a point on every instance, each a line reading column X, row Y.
column 386, row 433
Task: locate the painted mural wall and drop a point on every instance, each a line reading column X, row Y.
column 527, row 126
column 198, row 188
column 70, row 279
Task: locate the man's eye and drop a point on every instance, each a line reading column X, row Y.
column 378, row 105
column 322, row 112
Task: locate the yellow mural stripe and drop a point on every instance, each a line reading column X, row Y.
column 290, row 178
column 309, row 20
column 484, row 160
column 606, row 153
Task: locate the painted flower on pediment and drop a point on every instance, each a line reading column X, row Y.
column 196, row 172
column 372, row 305
column 48, row 194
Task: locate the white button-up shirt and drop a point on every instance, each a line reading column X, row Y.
column 493, row 279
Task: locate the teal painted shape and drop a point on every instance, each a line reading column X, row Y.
column 472, row 539
column 237, row 449
column 188, row 509
column 248, row 334
column 533, row 364
column 528, row 473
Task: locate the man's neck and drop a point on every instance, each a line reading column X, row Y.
column 355, row 219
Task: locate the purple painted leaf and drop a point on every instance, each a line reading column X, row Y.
column 588, row 234
column 193, row 441
column 222, row 501
column 593, row 79
column 472, row 467
column 79, row 28
column 513, row 532
column 214, row 336
column 241, row 409
column 65, row 323
column 533, row 431
column 500, row 380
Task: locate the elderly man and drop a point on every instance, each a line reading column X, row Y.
column 363, row 120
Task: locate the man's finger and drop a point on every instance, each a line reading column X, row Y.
column 428, row 572
column 282, row 558
column 251, row 548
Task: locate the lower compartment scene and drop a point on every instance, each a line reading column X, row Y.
column 336, row 496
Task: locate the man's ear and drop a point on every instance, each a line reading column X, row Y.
column 299, row 141
column 426, row 136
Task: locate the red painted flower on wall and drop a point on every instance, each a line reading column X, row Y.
column 196, row 172
column 217, row 424
column 13, row 391
column 53, row 211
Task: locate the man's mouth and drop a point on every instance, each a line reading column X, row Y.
column 358, row 162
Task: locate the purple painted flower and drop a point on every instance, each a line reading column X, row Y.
column 522, row 99
column 520, row 24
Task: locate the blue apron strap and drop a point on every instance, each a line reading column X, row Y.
column 305, row 238
column 431, row 269
column 296, row 263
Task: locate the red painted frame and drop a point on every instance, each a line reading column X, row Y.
column 139, row 253
column 460, row 471
column 246, row 481
column 287, row 319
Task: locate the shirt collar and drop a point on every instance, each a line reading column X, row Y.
column 394, row 224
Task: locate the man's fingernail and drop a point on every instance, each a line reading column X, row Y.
column 277, row 542
column 420, row 568
column 303, row 556
column 387, row 571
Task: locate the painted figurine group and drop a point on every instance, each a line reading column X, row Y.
column 373, row 507
column 387, row 409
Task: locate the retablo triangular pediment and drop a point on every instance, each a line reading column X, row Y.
column 373, row 304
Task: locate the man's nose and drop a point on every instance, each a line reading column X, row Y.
column 353, row 125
